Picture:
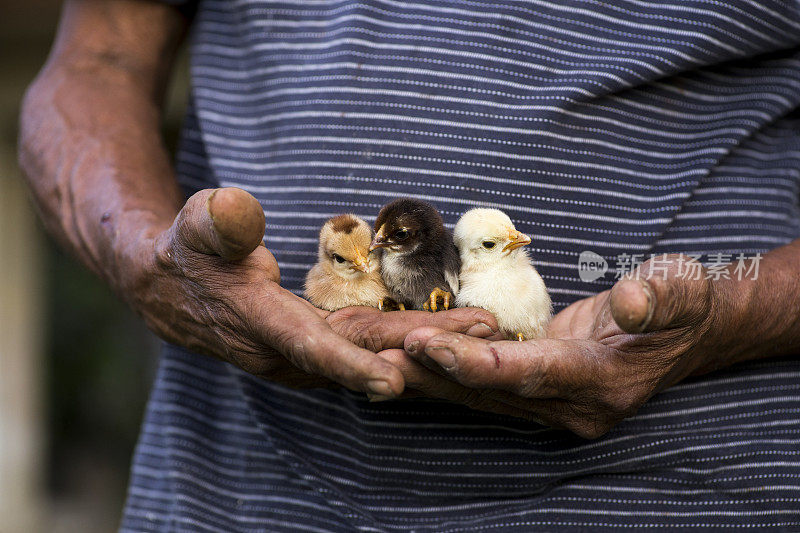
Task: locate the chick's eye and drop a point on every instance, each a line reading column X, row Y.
column 339, row 258
column 401, row 235
column 488, row 244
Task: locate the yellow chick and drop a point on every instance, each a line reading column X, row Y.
column 346, row 272
column 497, row 275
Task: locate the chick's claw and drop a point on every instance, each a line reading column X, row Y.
column 433, row 300
column 520, row 337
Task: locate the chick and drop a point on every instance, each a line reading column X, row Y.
column 497, row 275
column 420, row 263
column 346, row 272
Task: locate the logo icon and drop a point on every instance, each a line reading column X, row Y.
column 591, row 266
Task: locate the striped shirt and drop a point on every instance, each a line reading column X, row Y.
column 621, row 127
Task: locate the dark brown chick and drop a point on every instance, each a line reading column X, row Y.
column 420, row 263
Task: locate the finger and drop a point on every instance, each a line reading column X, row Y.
column 516, row 380
column 296, row 331
column 653, row 301
column 226, row 222
column 555, row 412
column 542, row 368
column 421, row 382
column 376, row 331
column 558, row 413
column 632, row 305
column 414, row 374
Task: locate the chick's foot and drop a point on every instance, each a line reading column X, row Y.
column 433, row 300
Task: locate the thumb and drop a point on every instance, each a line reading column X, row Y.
column 227, row 222
column 658, row 297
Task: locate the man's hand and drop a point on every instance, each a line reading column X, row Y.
column 208, row 284
column 91, row 150
column 603, row 358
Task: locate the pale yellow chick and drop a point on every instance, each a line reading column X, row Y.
column 346, row 272
column 497, row 275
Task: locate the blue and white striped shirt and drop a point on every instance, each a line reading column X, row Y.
column 620, row 127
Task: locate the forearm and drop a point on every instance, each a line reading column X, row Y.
column 90, row 143
column 761, row 312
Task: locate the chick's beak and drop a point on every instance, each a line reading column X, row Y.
column 379, row 241
column 517, row 240
column 360, row 263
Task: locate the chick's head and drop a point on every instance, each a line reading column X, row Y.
column 488, row 236
column 344, row 247
column 405, row 224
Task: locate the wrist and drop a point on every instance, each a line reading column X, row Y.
column 756, row 315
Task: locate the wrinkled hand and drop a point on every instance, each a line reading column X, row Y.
column 208, row 284
column 603, row 358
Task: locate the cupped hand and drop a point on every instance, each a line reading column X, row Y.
column 208, row 284
column 603, row 358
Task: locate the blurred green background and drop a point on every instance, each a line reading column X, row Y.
column 75, row 364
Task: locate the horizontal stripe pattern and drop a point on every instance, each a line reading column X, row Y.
column 622, row 127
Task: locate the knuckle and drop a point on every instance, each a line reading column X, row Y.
column 361, row 331
column 340, row 321
column 371, row 338
column 476, row 314
column 488, row 318
column 351, row 331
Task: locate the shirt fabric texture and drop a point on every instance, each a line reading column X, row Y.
column 619, row 127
